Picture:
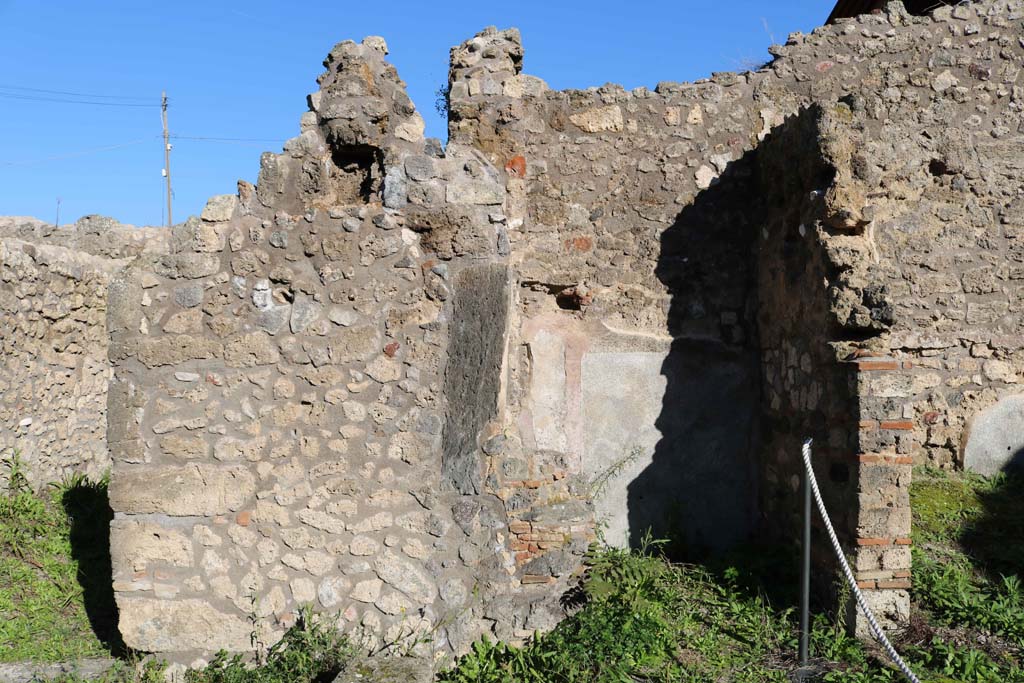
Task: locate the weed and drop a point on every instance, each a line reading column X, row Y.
column 599, row 485
column 309, row 652
column 442, row 97
column 646, row 619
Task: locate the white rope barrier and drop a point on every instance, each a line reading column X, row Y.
column 875, row 628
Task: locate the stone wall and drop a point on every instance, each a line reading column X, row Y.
column 409, row 385
column 300, row 398
column 53, row 341
column 661, row 259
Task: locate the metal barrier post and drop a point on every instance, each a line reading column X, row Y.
column 805, row 575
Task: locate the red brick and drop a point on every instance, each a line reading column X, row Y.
column 582, row 243
column 391, row 349
column 243, row 518
column 894, row 583
column 519, row 546
column 533, row 483
column 523, row 557
column 516, row 166
column 519, row 527
column 902, row 425
column 867, row 424
column 903, row 541
column 876, row 365
column 870, row 583
column 903, row 460
column 873, row 541
column 907, row 365
column 869, row 458
column 902, row 574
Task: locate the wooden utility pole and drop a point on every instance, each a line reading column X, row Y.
column 167, row 155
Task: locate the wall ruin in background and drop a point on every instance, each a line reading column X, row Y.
column 53, row 342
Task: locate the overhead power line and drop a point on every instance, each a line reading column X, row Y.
column 71, row 155
column 215, row 139
column 93, row 150
column 75, row 94
column 42, row 98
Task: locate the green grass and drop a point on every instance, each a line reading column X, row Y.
column 57, row 604
column 968, row 558
column 645, row 619
column 55, row 592
column 637, row 616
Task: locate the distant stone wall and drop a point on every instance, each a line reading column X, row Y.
column 53, row 343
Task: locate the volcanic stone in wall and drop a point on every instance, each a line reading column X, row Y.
column 473, row 377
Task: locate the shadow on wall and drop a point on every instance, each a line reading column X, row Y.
column 699, row 492
column 88, row 509
column 993, row 540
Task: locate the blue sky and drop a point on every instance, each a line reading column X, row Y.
column 234, row 70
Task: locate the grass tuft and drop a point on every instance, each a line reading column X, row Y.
column 647, row 619
column 55, row 590
column 309, row 652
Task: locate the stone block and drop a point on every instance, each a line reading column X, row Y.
column 599, row 119
column 196, row 489
column 197, row 236
column 406, row 577
column 152, row 625
column 890, row 607
column 250, row 350
column 219, row 208
column 124, row 408
column 176, row 349
column 134, row 545
column 351, row 344
column 473, row 376
column 995, row 437
column 468, row 191
column 184, row 446
column 885, row 523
